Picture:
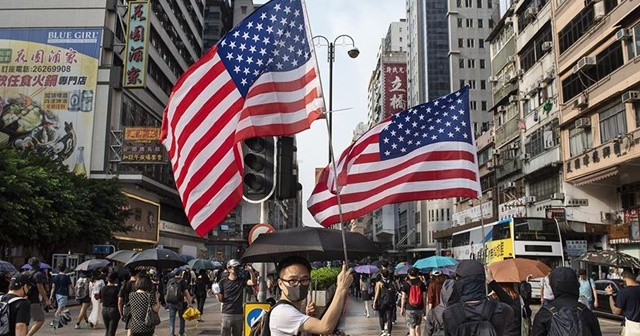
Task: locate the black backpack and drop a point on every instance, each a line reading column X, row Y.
column 388, row 295
column 475, row 327
column 525, row 291
column 566, row 321
column 261, row 327
column 5, row 314
column 174, row 293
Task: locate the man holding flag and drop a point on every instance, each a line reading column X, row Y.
column 261, row 79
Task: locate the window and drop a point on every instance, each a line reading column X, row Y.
column 483, row 86
column 400, row 39
column 243, row 9
column 479, row 4
column 579, row 140
column 471, row 43
column 474, row 105
column 491, row 23
column 471, row 63
column 481, row 43
column 469, row 23
column 532, row 52
column 612, row 122
column 543, row 138
column 489, row 4
column 483, row 105
column 636, row 108
column 501, row 231
column 461, row 83
column 480, row 23
column 468, row 3
column 461, row 63
column 472, row 85
column 482, row 64
column 459, row 3
column 607, row 61
column 460, row 23
column 543, row 188
column 460, row 43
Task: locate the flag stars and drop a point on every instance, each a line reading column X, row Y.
column 387, row 153
column 394, row 146
column 450, row 135
column 386, row 140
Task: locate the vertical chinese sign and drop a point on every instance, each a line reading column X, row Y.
column 48, row 79
column 394, row 93
column 136, row 47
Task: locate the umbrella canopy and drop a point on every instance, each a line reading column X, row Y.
column 216, row 264
column 435, row 262
column 7, row 267
column 187, row 257
column 122, row 256
column 402, row 264
column 518, row 269
column 403, row 270
column 311, row 242
column 610, row 258
column 158, row 258
column 366, row 269
column 42, row 266
column 198, row 264
column 92, row 264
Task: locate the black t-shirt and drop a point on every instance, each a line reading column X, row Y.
column 19, row 312
column 109, row 296
column 202, row 284
column 183, row 286
column 406, row 288
column 36, row 278
column 231, row 291
column 628, row 299
column 62, row 282
column 129, row 287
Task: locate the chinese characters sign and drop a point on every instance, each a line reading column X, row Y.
column 394, row 92
column 143, row 222
column 136, row 48
column 48, row 79
column 142, row 145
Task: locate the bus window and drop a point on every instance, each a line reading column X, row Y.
column 536, row 229
column 461, row 239
column 501, row 231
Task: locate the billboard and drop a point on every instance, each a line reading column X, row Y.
column 136, row 46
column 394, row 90
column 48, row 79
column 142, row 145
column 143, row 222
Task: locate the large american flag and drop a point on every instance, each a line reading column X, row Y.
column 425, row 152
column 261, row 79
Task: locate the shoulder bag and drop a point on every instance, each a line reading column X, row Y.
column 152, row 318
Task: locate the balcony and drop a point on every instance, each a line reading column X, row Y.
column 507, row 132
column 504, row 91
column 508, row 167
column 548, row 157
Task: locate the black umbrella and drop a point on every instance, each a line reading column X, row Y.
column 158, row 258
column 7, row 267
column 311, row 242
column 198, row 264
column 122, row 256
column 92, row 264
column 610, row 258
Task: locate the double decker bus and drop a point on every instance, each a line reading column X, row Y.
column 526, row 237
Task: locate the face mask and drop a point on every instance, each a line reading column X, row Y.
column 298, row 293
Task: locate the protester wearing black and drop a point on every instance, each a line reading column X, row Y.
column 435, row 321
column 565, row 286
column 201, row 287
column 123, row 297
column 627, row 302
column 382, row 302
column 506, row 293
column 109, row 298
column 474, row 308
column 19, row 309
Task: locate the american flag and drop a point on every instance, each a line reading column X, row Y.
column 261, row 79
column 425, row 152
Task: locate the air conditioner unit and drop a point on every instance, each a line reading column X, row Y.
column 584, row 64
column 510, row 185
column 519, row 72
column 513, row 99
column 630, row 96
column 524, row 97
column 496, row 152
column 515, row 145
column 508, row 20
column 549, row 144
column 607, row 216
column 508, row 78
column 489, row 165
column 542, row 86
column 525, row 156
column 549, row 76
column 623, row 34
column 531, row 12
column 583, row 123
column 489, row 194
column 493, row 79
column 529, row 199
column 581, row 102
column 513, row 78
column 557, row 196
column 598, row 11
column 501, row 109
column 547, row 45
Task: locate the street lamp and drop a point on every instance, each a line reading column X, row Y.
column 331, row 57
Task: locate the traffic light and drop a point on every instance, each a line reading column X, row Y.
column 259, row 158
column 287, row 185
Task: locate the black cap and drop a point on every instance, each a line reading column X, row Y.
column 469, row 267
column 19, row 280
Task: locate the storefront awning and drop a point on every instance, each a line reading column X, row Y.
column 601, row 175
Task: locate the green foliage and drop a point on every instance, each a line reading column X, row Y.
column 325, row 276
column 46, row 207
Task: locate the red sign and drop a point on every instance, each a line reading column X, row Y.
column 394, row 91
column 259, row 229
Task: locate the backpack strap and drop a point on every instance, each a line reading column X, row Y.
column 458, row 315
column 488, row 309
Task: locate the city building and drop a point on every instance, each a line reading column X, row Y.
column 106, row 75
column 218, row 20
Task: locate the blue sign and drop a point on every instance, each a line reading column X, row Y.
column 254, row 315
column 102, row 249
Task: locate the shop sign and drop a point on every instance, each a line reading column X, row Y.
column 474, row 214
column 136, row 46
column 177, row 228
column 143, row 222
column 394, row 93
column 558, row 214
column 515, row 208
column 576, row 248
column 142, row 145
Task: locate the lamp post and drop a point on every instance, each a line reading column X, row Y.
column 331, row 57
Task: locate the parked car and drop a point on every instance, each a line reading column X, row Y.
column 604, row 308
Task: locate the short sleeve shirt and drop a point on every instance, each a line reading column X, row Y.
column 19, row 312
column 231, row 291
column 628, row 299
column 586, row 288
column 36, row 278
column 62, row 282
column 128, row 288
column 406, row 288
column 286, row 320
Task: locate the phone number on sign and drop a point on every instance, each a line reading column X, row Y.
column 51, row 68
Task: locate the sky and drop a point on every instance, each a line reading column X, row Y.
column 367, row 22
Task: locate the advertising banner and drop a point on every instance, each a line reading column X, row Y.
column 136, row 48
column 394, row 91
column 48, row 79
column 142, row 145
column 143, row 222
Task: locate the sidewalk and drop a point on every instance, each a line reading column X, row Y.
column 353, row 323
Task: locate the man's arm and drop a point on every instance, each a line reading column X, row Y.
column 612, row 305
column 21, row 329
column 187, row 296
column 252, row 281
column 595, row 293
column 403, row 302
column 43, row 293
column 53, row 290
column 328, row 322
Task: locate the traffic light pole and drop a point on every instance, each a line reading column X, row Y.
column 262, row 280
